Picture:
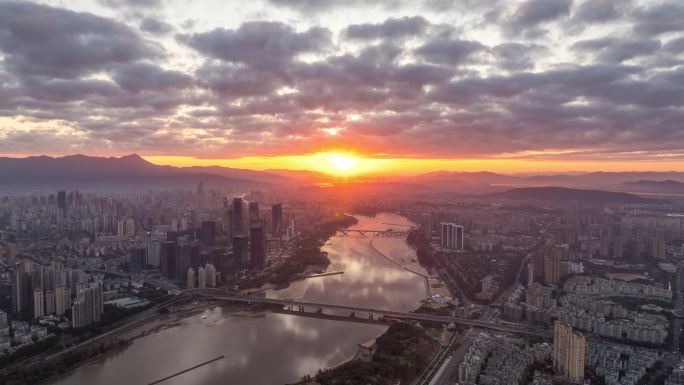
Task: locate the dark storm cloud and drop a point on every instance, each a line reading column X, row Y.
column 267, row 45
column 391, row 28
column 616, row 50
column 660, row 18
column 155, row 26
column 599, row 11
column 517, row 56
column 42, row 40
column 449, row 51
column 530, row 14
column 140, row 76
column 675, row 46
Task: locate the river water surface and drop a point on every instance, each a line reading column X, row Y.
column 277, row 348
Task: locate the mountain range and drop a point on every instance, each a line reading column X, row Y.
column 112, row 173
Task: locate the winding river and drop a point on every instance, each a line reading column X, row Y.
column 276, row 348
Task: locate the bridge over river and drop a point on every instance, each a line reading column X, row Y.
column 301, row 307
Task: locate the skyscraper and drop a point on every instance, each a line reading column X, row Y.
column 256, row 247
column 208, row 233
column 168, row 259
column 61, row 201
column 569, row 349
column 276, row 219
column 237, row 216
column 253, row 212
column 241, row 251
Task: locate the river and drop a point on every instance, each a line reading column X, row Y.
column 276, row 348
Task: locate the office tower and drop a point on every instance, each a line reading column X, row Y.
column 201, row 278
column 208, row 233
column 569, row 348
column 136, row 259
column 276, row 219
column 49, row 302
column 210, row 272
column 190, row 279
column 61, row 201
column 241, row 251
column 237, row 216
column 229, row 223
column 452, row 236
column 253, row 212
column 153, row 253
column 551, row 268
column 168, row 259
column 530, row 274
column 256, row 247
column 38, row 303
column 292, row 229
column 22, row 296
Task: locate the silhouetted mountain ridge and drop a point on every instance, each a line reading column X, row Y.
column 562, row 194
column 126, row 172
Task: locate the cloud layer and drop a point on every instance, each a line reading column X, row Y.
column 597, row 79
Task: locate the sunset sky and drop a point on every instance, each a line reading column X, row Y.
column 360, row 86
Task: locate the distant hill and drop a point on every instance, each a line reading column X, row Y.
column 111, row 173
column 562, row 194
column 657, row 187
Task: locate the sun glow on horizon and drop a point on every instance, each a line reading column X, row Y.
column 342, row 163
column 351, row 164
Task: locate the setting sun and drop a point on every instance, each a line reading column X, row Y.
column 342, row 163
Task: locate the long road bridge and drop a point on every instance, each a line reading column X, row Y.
column 391, row 233
column 301, row 306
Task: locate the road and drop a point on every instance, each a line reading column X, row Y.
column 447, row 374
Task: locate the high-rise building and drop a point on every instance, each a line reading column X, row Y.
column 208, row 233
column 89, row 305
column 61, row 201
column 38, row 303
column 78, row 315
column 153, row 253
column 49, row 302
column 191, row 278
column 253, row 213
column 136, row 259
column 452, row 236
column 552, row 268
column 167, row 255
column 569, row 349
column 62, row 297
column 210, row 272
column 241, row 251
column 530, row 274
column 276, row 219
column 201, row 278
column 256, row 247
column 237, row 216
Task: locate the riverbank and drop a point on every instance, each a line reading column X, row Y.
column 401, row 354
column 306, row 256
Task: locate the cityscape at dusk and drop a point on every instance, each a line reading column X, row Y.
column 329, row 192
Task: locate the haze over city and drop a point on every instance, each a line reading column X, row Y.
column 327, row 192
